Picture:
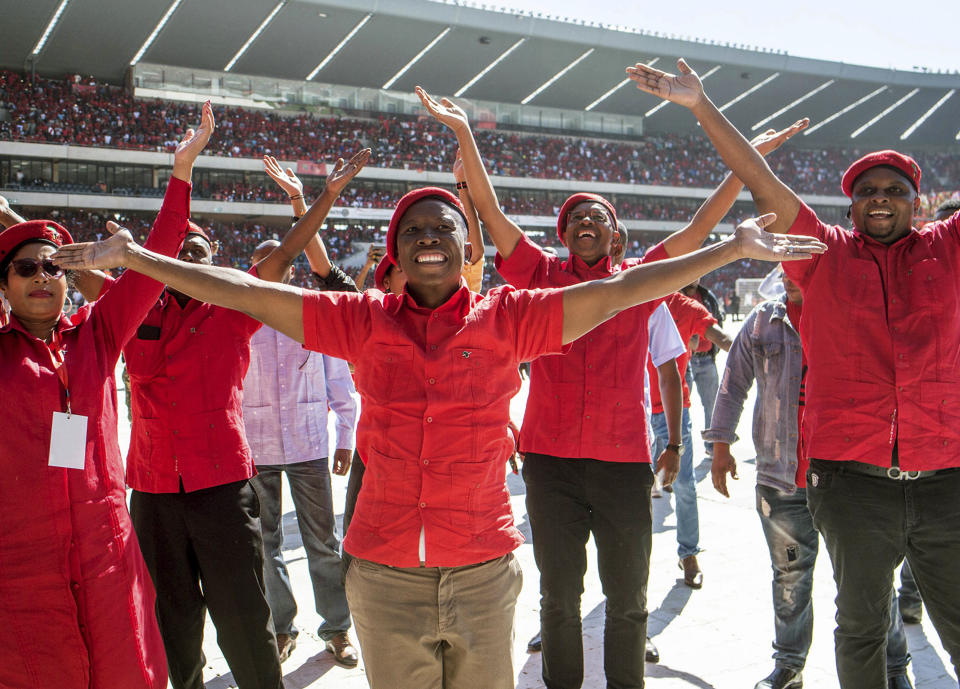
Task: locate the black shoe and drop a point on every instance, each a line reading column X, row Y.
column 781, row 678
column 899, row 682
column 911, row 614
column 535, row 645
column 652, row 655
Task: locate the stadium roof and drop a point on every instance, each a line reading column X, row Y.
column 484, row 54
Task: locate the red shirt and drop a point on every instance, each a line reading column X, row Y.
column 589, row 401
column 881, row 331
column 692, row 318
column 435, row 387
column 76, row 598
column 704, row 345
column 186, row 369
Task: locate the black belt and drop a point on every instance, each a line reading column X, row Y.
column 894, row 473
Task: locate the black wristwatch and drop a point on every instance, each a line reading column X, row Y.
column 676, row 447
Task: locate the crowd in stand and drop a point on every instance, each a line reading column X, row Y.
column 91, row 114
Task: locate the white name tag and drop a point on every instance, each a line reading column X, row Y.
column 68, row 441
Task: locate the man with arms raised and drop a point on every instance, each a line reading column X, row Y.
column 881, row 330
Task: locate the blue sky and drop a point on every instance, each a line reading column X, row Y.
column 881, row 33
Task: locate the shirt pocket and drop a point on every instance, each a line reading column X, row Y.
column 144, row 358
column 927, row 287
column 473, row 377
column 387, row 369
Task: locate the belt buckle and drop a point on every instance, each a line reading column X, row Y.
column 897, row 475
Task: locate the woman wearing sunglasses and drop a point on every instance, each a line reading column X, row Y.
column 76, row 601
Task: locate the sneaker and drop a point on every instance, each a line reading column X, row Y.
column 285, row 645
column 781, row 678
column 343, row 650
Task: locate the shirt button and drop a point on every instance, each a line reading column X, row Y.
column 846, row 439
column 899, row 356
column 429, row 419
column 588, row 416
column 176, row 432
column 75, row 586
column 426, row 462
column 589, row 392
column 432, row 381
column 173, row 404
column 589, row 365
column 423, row 504
column 433, row 347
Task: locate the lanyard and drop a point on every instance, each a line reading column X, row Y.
column 59, row 364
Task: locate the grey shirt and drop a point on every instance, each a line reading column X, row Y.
column 766, row 349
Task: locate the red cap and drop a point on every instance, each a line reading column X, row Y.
column 907, row 165
column 380, row 273
column 194, row 228
column 569, row 204
column 408, row 200
column 33, row 230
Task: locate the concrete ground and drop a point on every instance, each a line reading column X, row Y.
column 718, row 637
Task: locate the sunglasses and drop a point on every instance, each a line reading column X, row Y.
column 28, row 267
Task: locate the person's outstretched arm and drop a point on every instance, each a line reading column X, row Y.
column 272, row 303
column 304, row 231
column 769, row 193
column 503, row 231
column 692, row 236
column 587, row 305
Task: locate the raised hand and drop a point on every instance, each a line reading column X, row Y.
column 342, row 172
column 755, row 242
column 445, row 111
column 287, row 180
column 770, row 140
column 192, row 143
column 684, row 89
column 109, row 253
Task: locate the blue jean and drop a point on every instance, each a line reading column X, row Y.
column 685, row 487
column 702, row 370
column 793, row 542
column 313, row 502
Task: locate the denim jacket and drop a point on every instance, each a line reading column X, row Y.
column 768, row 349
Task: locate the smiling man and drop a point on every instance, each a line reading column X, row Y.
column 434, row 582
column 881, row 330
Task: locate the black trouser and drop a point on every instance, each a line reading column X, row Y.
column 567, row 499
column 357, row 467
column 869, row 524
column 212, row 538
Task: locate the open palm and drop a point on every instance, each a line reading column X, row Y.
column 756, row 242
column 444, row 110
column 683, row 89
column 342, row 172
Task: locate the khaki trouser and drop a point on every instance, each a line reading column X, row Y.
column 436, row 627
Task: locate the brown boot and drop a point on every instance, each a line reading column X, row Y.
column 343, row 650
column 692, row 576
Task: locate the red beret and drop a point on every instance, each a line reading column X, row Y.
column 907, row 165
column 33, row 230
column 194, row 228
column 380, row 273
column 408, row 200
column 571, row 202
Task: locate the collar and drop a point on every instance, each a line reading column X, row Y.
column 576, row 265
column 456, row 306
column 63, row 325
column 867, row 239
